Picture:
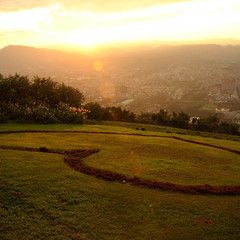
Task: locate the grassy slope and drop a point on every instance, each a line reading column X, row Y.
column 161, row 159
column 42, row 198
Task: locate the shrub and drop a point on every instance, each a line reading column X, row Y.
column 3, row 118
column 66, row 114
column 74, row 118
column 42, row 114
column 12, row 111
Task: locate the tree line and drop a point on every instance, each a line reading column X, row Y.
column 21, row 90
column 40, row 100
column 43, row 100
column 212, row 123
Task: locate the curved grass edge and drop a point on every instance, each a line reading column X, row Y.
column 74, row 159
column 125, row 134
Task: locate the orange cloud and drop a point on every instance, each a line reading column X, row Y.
column 89, row 24
column 85, row 6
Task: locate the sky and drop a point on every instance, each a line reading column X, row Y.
column 90, row 23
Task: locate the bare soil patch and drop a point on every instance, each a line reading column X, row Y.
column 204, row 221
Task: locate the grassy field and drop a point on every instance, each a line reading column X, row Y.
column 42, row 198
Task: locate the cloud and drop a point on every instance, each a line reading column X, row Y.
column 27, row 38
column 68, row 20
column 89, row 22
column 26, row 19
column 14, row 37
column 16, row 5
column 114, row 5
column 83, row 5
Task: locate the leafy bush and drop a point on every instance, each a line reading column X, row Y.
column 3, row 118
column 42, row 114
column 66, row 114
column 12, row 111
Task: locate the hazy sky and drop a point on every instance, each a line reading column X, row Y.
column 92, row 22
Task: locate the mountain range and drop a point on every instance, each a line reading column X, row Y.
column 29, row 59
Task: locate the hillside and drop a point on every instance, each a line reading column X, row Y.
column 177, row 55
column 46, row 192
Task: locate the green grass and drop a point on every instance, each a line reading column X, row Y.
column 119, row 127
column 160, row 159
column 42, row 198
column 167, row 160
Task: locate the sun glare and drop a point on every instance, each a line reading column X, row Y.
column 176, row 22
column 98, row 66
column 86, row 38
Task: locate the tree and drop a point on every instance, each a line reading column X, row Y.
column 122, row 115
column 162, row 118
column 95, row 111
column 50, row 93
column 145, row 118
column 228, row 128
column 180, row 120
column 69, row 95
column 15, row 89
column 44, row 91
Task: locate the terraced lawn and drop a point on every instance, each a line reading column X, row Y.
column 42, row 198
column 154, row 158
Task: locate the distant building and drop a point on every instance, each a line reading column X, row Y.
column 233, row 116
column 194, row 120
column 126, row 102
column 221, row 110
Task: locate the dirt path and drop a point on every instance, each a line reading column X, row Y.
column 74, row 159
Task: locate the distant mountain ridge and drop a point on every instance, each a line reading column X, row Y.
column 177, row 55
column 19, row 58
column 24, row 59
